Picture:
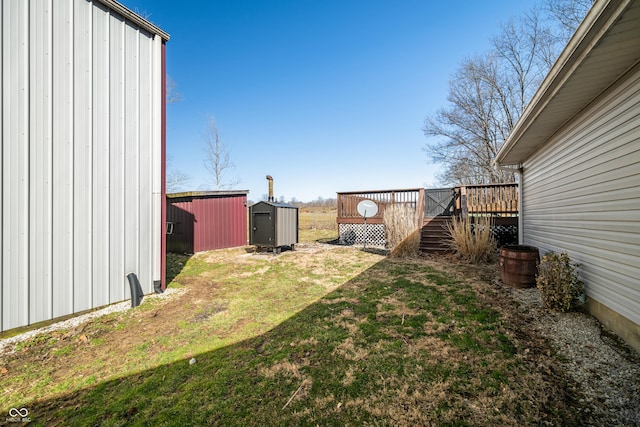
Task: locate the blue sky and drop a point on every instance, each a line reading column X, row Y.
column 324, row 95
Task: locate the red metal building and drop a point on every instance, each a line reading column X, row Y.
column 202, row 221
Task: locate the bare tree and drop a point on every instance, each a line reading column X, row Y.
column 175, row 179
column 217, row 159
column 172, row 93
column 471, row 129
column 524, row 50
column 143, row 13
column 487, row 96
column 568, row 14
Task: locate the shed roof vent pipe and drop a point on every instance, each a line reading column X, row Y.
column 270, row 179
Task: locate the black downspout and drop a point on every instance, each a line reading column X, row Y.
column 136, row 290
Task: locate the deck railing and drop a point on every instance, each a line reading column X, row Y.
column 493, row 199
column 348, row 203
column 490, row 199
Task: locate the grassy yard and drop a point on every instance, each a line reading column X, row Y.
column 322, row 335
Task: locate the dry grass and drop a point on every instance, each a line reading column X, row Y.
column 472, row 240
column 317, row 218
column 401, row 230
column 317, row 336
column 408, row 247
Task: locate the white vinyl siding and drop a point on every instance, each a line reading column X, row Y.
column 80, row 144
column 581, row 194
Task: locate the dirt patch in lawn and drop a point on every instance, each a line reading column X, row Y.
column 211, row 298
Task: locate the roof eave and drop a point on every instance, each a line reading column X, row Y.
column 134, row 17
column 596, row 24
column 202, row 194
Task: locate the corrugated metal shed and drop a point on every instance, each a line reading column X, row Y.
column 81, row 156
column 202, row 221
column 273, row 224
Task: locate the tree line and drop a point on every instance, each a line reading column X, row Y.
column 320, row 202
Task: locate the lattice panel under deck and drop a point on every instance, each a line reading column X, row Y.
column 352, row 234
column 504, row 234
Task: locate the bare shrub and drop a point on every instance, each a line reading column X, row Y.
column 472, row 240
column 401, row 230
column 558, row 281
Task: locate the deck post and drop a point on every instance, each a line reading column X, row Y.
column 420, row 208
column 463, row 202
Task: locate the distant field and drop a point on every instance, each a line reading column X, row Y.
column 317, row 218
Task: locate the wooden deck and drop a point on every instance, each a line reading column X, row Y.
column 434, row 208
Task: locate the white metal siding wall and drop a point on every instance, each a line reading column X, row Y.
column 101, row 154
column 80, row 151
column 15, row 167
column 581, row 194
column 40, row 171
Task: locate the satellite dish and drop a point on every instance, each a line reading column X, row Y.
column 367, row 208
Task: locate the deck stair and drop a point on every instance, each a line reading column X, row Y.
column 434, row 236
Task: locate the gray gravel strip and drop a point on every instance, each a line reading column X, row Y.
column 78, row 320
column 607, row 369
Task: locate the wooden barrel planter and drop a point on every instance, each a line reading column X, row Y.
column 519, row 265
